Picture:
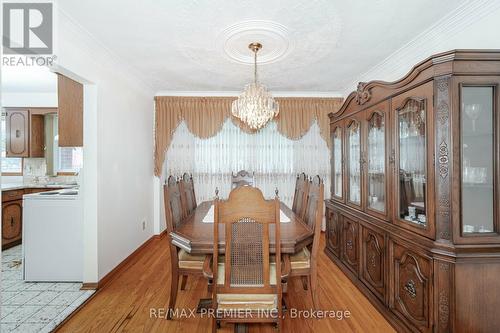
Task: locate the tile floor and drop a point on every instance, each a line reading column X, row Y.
column 34, row 307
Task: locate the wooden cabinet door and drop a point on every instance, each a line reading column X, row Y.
column 37, row 135
column 373, row 261
column 354, row 158
column 411, row 298
column 70, row 112
column 350, row 244
column 413, row 143
column 333, row 232
column 375, row 160
column 17, row 133
column 11, row 222
column 337, row 162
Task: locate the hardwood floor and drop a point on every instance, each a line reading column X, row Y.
column 124, row 304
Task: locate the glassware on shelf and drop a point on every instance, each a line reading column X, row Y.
column 412, row 162
column 477, row 143
column 354, row 141
column 337, row 162
column 376, row 162
column 473, row 111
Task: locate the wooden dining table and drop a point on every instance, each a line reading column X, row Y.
column 196, row 236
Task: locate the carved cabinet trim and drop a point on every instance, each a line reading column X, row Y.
column 412, row 289
column 373, row 261
column 333, row 232
column 350, row 244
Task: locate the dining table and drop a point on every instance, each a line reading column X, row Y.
column 195, row 235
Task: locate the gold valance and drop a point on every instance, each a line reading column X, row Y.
column 205, row 116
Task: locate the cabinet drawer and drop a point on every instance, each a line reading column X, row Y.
column 411, row 275
column 373, row 261
column 350, row 252
column 333, row 229
column 12, row 195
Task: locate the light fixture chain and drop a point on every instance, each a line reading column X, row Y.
column 255, row 64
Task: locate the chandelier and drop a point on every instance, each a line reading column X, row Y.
column 255, row 106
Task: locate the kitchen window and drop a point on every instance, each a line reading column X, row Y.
column 69, row 160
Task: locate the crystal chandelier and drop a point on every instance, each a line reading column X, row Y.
column 255, row 106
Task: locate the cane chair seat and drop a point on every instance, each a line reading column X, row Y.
column 247, row 301
column 301, row 259
column 190, row 261
column 221, row 270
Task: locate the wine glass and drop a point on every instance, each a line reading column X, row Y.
column 472, row 111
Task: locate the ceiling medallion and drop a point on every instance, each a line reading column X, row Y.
column 255, row 106
column 234, row 39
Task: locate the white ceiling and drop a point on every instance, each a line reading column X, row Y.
column 309, row 45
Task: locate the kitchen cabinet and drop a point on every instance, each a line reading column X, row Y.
column 12, row 212
column 70, row 112
column 37, row 136
column 25, row 133
column 17, row 133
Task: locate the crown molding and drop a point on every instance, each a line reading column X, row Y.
column 319, row 94
column 426, row 43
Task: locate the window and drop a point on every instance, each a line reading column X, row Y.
column 10, row 165
column 69, row 159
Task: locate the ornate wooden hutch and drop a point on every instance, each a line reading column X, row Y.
column 414, row 214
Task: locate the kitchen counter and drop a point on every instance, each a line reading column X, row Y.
column 19, row 186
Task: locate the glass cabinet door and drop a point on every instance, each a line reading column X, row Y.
column 412, row 177
column 354, row 162
column 477, row 150
column 376, row 185
column 337, row 180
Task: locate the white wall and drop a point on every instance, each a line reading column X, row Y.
column 35, row 99
column 122, row 151
column 474, row 25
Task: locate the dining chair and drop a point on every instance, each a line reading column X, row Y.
column 300, row 195
column 188, row 197
column 246, row 278
column 304, row 262
column 182, row 263
column 242, row 178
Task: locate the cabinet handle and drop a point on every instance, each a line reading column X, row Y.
column 18, row 133
column 410, row 289
column 11, row 221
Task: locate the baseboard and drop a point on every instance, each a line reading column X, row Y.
column 89, row 286
column 161, row 235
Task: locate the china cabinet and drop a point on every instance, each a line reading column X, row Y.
column 414, row 214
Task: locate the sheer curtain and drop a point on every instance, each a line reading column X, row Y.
column 275, row 159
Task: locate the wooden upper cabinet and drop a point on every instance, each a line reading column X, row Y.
column 37, row 135
column 354, row 165
column 337, row 163
column 70, row 112
column 376, row 160
column 17, row 133
column 414, row 164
